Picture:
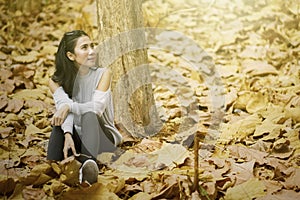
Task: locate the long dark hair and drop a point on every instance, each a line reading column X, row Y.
column 65, row 69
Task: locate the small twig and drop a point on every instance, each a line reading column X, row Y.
column 196, row 163
column 196, row 187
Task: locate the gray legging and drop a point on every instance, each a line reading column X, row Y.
column 94, row 139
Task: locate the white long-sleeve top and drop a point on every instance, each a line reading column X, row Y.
column 87, row 99
column 60, row 99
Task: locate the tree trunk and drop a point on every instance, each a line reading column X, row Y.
column 122, row 47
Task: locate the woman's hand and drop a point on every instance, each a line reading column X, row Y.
column 69, row 144
column 60, row 115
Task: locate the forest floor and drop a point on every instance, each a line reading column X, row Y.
column 226, row 70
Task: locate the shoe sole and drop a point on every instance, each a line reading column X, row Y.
column 89, row 172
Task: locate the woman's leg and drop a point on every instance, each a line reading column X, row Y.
column 56, row 144
column 94, row 140
column 88, row 170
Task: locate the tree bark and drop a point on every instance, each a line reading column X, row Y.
column 122, row 47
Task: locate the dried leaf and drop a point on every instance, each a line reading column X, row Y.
column 281, row 145
column 31, row 156
column 272, row 186
column 258, row 101
column 43, row 123
column 261, row 146
column 30, row 57
column 3, row 56
column 279, row 165
column 113, row 183
column 268, row 127
column 42, row 179
column 28, row 74
column 5, row 132
column 14, row 154
column 44, row 168
column 130, row 173
column 227, row 70
column 56, row 168
column 196, row 76
column 36, row 106
column 19, row 69
column 295, row 101
column 264, row 173
column 272, row 34
column 95, row 192
column 33, row 193
column 4, row 144
column 171, row 154
column 7, row 185
column 32, row 130
column 48, row 50
column 254, row 52
column 17, row 193
column 3, row 101
column 293, row 136
column 281, row 195
column 141, row 195
column 242, row 152
column 169, row 190
column 251, row 189
column 29, row 179
column 293, row 181
column 5, row 74
column 30, row 94
column 29, row 139
column 70, row 172
column 147, row 145
column 284, row 155
column 54, row 187
column 242, row 100
column 14, row 105
column 138, row 161
column 8, row 86
column 231, row 97
column 293, row 113
column 224, row 183
column 239, row 129
column 241, row 172
column 21, row 80
column 258, row 68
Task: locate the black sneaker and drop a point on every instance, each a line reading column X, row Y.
column 88, row 172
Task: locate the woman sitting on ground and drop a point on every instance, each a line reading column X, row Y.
column 83, row 122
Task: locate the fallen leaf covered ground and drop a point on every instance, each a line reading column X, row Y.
column 251, row 153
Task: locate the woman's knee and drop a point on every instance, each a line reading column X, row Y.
column 89, row 116
column 57, row 129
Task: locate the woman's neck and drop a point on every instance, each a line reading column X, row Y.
column 83, row 71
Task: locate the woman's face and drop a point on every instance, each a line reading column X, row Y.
column 84, row 54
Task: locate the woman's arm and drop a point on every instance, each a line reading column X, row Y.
column 59, row 95
column 104, row 83
column 61, row 117
column 100, row 97
column 53, row 86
